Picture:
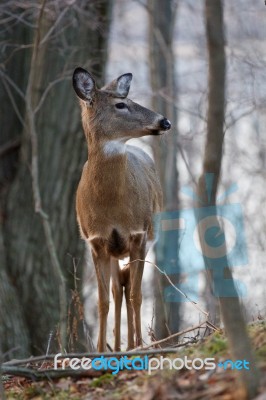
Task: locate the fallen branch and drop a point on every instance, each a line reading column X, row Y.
column 50, row 357
column 14, row 367
column 38, row 375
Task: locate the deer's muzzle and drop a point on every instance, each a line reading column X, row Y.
column 165, row 124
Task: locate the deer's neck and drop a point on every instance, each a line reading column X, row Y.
column 107, row 162
column 107, row 150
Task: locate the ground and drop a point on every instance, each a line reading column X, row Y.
column 168, row 384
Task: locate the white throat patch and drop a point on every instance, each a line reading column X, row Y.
column 114, row 147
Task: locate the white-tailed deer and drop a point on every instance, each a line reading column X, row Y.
column 118, row 194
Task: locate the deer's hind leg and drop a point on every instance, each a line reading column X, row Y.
column 117, row 290
column 137, row 256
column 125, row 279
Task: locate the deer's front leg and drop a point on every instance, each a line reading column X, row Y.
column 137, row 252
column 102, row 268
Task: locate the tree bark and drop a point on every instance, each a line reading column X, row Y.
column 161, row 28
column 67, row 38
column 11, row 315
column 230, row 306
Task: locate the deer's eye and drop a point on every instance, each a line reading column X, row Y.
column 120, row 106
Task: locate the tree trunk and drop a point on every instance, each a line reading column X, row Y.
column 207, row 190
column 66, row 39
column 161, row 27
column 11, row 315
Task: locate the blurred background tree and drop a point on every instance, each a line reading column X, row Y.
column 42, row 154
column 227, row 298
column 164, row 98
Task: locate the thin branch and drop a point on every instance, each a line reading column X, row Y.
column 13, row 102
column 9, row 146
column 12, row 83
column 172, row 284
column 47, row 90
column 186, row 163
column 168, row 98
column 18, row 48
column 48, row 34
column 233, row 121
column 18, row 17
column 174, row 335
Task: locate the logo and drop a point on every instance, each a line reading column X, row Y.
column 115, row 365
column 222, row 244
column 238, row 364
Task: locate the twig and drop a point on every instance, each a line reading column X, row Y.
column 47, row 90
column 12, row 83
column 18, row 48
column 19, row 17
column 181, row 151
column 170, row 100
column 212, row 326
column 49, row 342
column 174, row 335
column 172, row 284
column 13, row 102
column 9, row 146
column 48, row 34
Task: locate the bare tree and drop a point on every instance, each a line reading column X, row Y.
column 39, row 230
column 229, row 303
column 161, row 30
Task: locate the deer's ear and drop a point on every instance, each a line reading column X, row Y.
column 123, row 84
column 120, row 86
column 84, row 84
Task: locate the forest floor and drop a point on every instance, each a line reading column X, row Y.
column 185, row 384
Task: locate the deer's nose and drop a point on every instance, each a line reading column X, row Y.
column 165, row 124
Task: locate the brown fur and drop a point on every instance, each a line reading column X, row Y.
column 118, row 194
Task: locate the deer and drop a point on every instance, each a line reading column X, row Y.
column 117, row 196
